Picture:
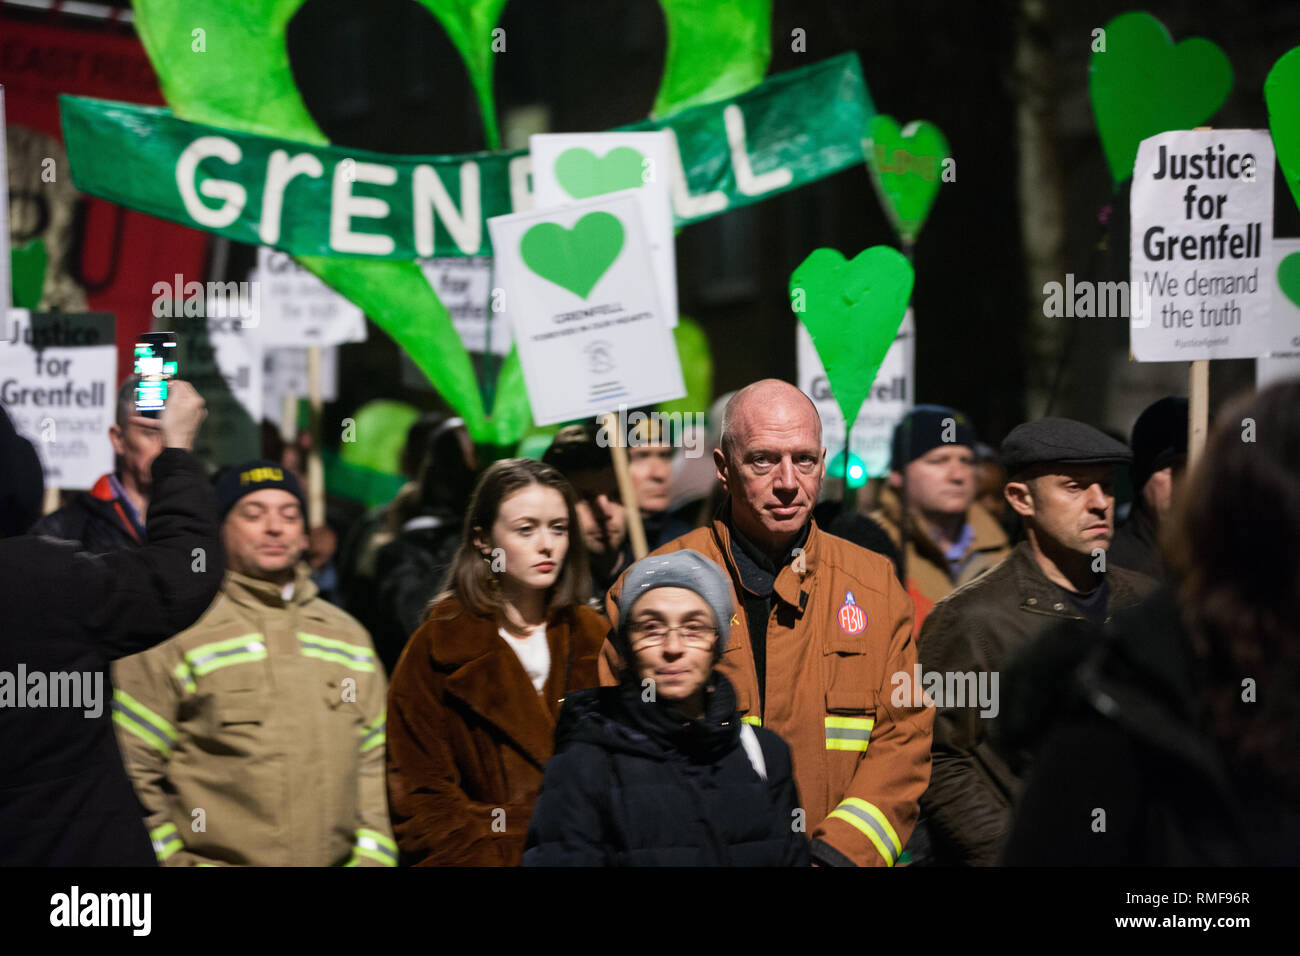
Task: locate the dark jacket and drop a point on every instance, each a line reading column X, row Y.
column 65, row 799
column 95, row 519
column 1131, row 738
column 977, row 629
column 632, row 783
column 1137, row 544
column 469, row 736
column 409, row 573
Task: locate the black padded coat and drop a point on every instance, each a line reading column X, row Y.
column 634, row 784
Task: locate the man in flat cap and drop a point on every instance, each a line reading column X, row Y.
column 1061, row 486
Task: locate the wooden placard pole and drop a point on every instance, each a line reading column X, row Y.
column 626, row 489
column 315, row 469
column 1198, row 403
column 1198, row 409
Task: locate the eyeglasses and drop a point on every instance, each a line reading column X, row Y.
column 654, row 633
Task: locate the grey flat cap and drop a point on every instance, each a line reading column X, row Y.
column 680, row 569
column 1061, row 440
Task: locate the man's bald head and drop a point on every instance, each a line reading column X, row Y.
column 771, row 461
column 761, row 401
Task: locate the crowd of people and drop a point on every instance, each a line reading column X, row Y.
column 977, row 664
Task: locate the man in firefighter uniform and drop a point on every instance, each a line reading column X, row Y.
column 256, row 737
column 821, row 629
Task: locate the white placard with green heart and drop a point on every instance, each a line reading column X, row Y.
column 568, row 167
column 577, row 287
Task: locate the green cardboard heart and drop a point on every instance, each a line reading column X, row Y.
column 697, row 368
column 852, row 310
column 906, row 167
column 1282, row 95
column 27, row 271
column 228, row 65
column 581, row 174
column 576, row 258
column 1288, row 277
column 1142, row 84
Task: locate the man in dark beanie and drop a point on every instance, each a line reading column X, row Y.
column 1061, row 486
column 928, row 507
column 65, row 799
column 578, row 456
column 274, row 688
column 1159, row 455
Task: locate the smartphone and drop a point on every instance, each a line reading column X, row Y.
column 155, row 363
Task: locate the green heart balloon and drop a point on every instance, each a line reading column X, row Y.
column 581, row 174
column 906, row 167
column 576, row 258
column 381, row 428
column 852, row 310
column 1288, row 277
column 1142, row 84
column 27, row 272
column 1282, row 95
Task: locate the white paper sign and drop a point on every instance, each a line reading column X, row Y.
column 583, row 303
column 63, row 396
column 1286, row 313
column 1201, row 246
column 889, row 399
column 296, row 308
column 464, row 286
column 574, row 166
column 284, row 372
column 219, row 357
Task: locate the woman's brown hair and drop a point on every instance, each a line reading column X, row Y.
column 1234, row 549
column 471, row 578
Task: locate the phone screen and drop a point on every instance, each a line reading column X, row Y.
column 155, row 363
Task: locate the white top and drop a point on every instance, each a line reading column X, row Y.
column 533, row 652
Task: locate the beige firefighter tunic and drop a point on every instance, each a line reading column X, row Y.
column 256, row 737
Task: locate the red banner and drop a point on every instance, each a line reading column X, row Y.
column 100, row 257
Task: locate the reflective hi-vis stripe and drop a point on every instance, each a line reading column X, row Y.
column 374, row 846
column 752, row 719
column 166, row 841
column 872, row 823
column 375, row 735
column 238, row 650
column 848, row 733
column 326, row 649
column 131, row 715
column 185, row 676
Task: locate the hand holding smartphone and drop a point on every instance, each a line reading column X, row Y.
column 155, row 363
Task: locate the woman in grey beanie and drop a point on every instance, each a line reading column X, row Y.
column 660, row 770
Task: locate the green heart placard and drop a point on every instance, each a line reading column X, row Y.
column 906, row 167
column 1288, row 277
column 1282, row 95
column 1141, row 83
column 576, row 258
column 852, row 310
column 582, row 175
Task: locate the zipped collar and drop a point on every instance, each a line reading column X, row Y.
column 1040, row 595
column 256, row 593
column 790, row 581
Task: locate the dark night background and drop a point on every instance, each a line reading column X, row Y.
column 381, row 75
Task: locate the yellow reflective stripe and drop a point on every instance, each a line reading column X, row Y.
column 751, row 719
column 873, row 824
column 374, row 846
column 135, row 717
column 376, row 734
column 237, row 650
column 166, row 841
column 848, row 733
column 355, row 656
column 185, row 676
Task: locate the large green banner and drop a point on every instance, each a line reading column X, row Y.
column 313, row 200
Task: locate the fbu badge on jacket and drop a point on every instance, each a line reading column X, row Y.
column 853, row 620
